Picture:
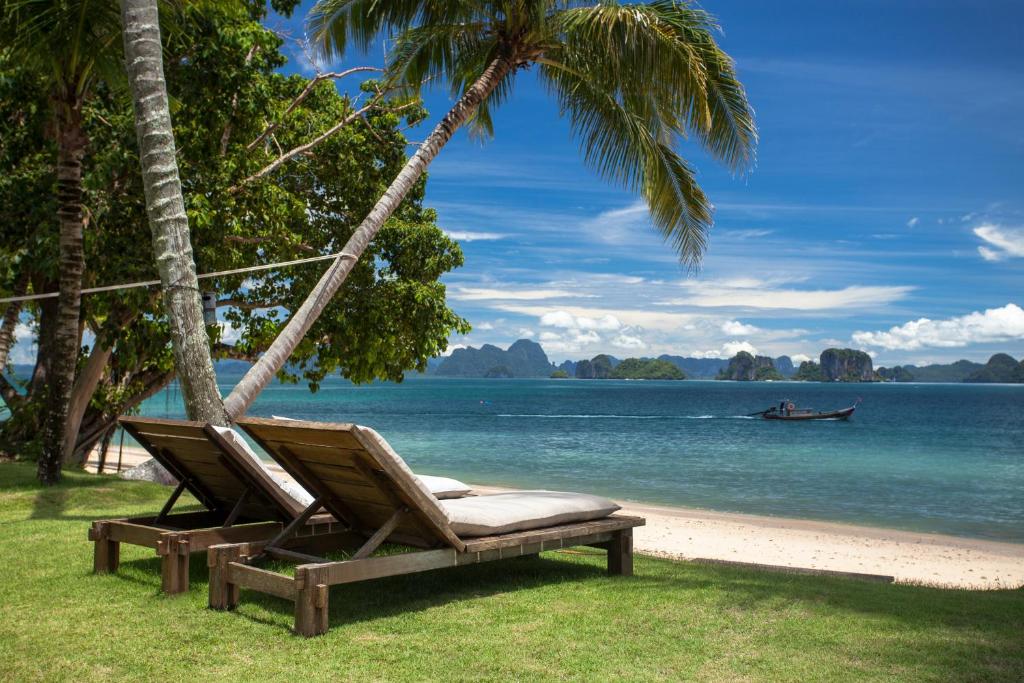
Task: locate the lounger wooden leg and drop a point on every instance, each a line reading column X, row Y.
column 175, row 565
column 311, row 602
column 223, row 595
column 106, row 553
column 620, row 553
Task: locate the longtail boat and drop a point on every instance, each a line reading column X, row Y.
column 791, row 412
column 843, row 414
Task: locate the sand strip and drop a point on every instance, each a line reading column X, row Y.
column 909, row 557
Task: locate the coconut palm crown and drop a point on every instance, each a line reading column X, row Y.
column 633, row 79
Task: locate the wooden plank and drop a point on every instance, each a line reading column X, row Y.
column 344, row 475
column 294, row 432
column 420, row 503
column 201, row 539
column 252, row 474
column 351, row 571
column 311, row 601
column 244, row 576
column 294, row 556
column 620, row 553
column 136, row 534
column 380, row 535
column 334, row 456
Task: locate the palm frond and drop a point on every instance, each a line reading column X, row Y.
column 628, row 149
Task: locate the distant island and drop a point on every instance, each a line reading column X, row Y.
column 527, row 359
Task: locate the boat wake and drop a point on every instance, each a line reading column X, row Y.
column 628, row 417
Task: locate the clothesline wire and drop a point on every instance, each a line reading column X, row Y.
column 203, row 276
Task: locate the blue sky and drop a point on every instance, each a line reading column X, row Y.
column 885, row 212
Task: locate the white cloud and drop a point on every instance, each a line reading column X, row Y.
column 618, row 226
column 752, row 293
column 483, row 294
column 471, row 236
column 727, row 350
column 625, row 341
column 1008, row 242
column 228, row 334
column 912, row 223
column 483, row 327
column 452, row 347
column 525, row 333
column 567, row 320
column 656, row 320
column 735, row 328
column 799, row 358
column 992, row 325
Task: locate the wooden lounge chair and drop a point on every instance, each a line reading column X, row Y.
column 353, row 473
column 243, row 502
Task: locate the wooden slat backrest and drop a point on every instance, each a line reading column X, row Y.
column 355, row 477
column 216, row 473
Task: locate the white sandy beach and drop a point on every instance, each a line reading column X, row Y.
column 909, row 557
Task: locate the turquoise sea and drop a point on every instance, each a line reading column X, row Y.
column 945, row 458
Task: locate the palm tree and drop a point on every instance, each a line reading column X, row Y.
column 165, row 208
column 632, row 79
column 71, row 42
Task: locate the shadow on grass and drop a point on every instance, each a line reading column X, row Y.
column 393, row 596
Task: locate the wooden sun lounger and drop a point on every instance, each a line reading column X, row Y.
column 357, row 480
column 243, row 503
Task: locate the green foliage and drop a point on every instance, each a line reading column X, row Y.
column 221, row 63
column 809, row 371
column 767, row 374
column 556, row 617
column 1001, row 368
column 559, row 374
column 646, row 368
column 633, row 81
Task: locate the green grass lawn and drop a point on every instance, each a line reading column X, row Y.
column 556, row 617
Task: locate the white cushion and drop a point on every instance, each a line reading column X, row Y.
column 444, row 488
column 503, row 513
column 292, row 489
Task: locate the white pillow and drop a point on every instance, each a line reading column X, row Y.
column 503, row 513
column 444, row 488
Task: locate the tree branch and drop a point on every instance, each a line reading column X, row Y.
column 242, row 239
column 303, row 95
column 301, row 149
column 248, row 305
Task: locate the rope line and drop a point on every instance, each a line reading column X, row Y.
column 204, row 276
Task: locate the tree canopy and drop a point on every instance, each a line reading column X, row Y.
column 226, row 92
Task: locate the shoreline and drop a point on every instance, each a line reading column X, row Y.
column 695, row 534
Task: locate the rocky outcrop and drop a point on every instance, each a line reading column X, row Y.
column 697, row 368
column 846, row 365
column 523, row 359
column 598, row 367
column 809, row 371
column 744, row 367
column 1001, row 368
column 784, row 364
column 646, row 368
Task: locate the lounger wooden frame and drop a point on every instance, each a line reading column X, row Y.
column 243, row 503
column 343, row 466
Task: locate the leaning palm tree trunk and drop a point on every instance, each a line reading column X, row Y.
column 165, row 208
column 260, row 375
column 71, row 142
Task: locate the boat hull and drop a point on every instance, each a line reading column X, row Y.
column 843, row 414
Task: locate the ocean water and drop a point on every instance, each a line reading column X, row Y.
column 945, row 458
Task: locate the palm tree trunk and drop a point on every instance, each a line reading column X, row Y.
column 165, row 208
column 71, row 142
column 260, row 375
column 81, row 393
